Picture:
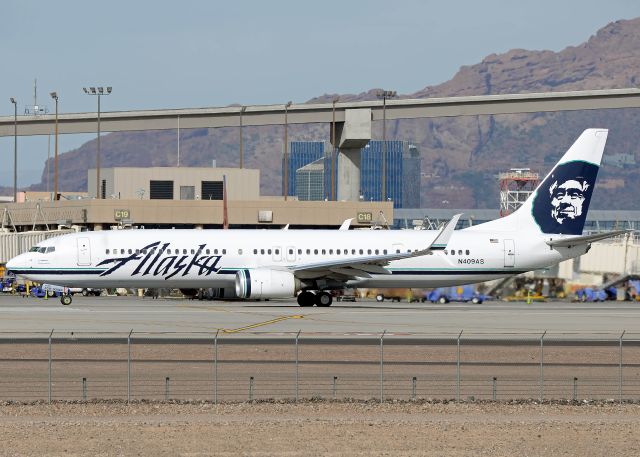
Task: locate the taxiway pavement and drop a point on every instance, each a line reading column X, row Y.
column 123, row 314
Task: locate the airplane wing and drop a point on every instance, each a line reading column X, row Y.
column 576, row 240
column 363, row 267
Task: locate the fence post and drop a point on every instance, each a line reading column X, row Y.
column 382, row 366
column 84, row 389
column 215, row 368
column 335, row 387
column 297, row 378
column 129, row 367
column 495, row 388
column 413, row 387
column 458, row 369
column 166, row 388
column 251, row 388
column 50, row 335
column 575, row 389
column 542, row 366
column 620, row 370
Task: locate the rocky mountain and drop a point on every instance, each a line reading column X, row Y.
column 461, row 156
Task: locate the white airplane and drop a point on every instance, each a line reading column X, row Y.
column 262, row 264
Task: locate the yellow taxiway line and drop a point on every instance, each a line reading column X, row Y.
column 260, row 324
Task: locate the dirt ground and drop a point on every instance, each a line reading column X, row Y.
column 320, row 428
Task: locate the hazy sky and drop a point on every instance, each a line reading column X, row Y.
column 175, row 54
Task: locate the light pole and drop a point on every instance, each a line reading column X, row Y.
column 54, row 95
column 242, row 110
column 15, row 149
column 99, row 91
column 335, row 150
column 286, row 150
column 384, row 94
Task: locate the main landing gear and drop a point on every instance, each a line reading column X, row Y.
column 308, row 298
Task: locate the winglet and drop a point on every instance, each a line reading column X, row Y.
column 346, row 224
column 440, row 243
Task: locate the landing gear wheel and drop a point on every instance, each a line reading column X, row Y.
column 85, row 292
column 324, row 299
column 476, row 301
column 306, row 298
column 66, row 300
column 379, row 297
column 443, row 300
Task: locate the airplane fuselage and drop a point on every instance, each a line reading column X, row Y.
column 211, row 258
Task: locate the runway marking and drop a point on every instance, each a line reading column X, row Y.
column 260, row 324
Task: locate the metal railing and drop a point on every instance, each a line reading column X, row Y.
column 223, row 368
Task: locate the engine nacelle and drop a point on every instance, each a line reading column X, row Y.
column 266, row 283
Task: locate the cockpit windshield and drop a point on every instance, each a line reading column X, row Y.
column 42, row 250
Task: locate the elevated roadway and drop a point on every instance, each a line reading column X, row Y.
column 191, row 118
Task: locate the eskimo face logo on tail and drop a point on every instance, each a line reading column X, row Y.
column 562, row 200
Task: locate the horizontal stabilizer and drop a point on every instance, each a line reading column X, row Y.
column 576, row 240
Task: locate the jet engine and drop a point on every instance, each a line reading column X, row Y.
column 264, row 283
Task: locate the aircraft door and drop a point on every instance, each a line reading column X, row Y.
column 84, row 251
column 509, row 253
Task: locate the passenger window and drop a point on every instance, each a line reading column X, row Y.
column 239, row 251
column 467, row 251
column 208, row 252
column 361, row 251
column 384, row 252
column 353, row 251
column 130, row 251
column 324, row 252
column 315, row 251
column 215, row 251
column 121, row 251
column 338, row 251
column 460, row 252
column 308, row 251
column 397, row 251
column 268, row 251
column 368, row 251
column 299, row 251
column 107, row 251
column 255, row 251
column 193, row 251
column 453, row 252
column 137, row 251
column 224, row 251
column 330, row 251
column 377, row 252
column 262, row 251
column 144, row 251
column 184, row 251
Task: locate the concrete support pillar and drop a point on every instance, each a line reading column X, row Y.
column 348, row 177
column 352, row 135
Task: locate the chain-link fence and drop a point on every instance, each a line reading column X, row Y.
column 224, row 368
